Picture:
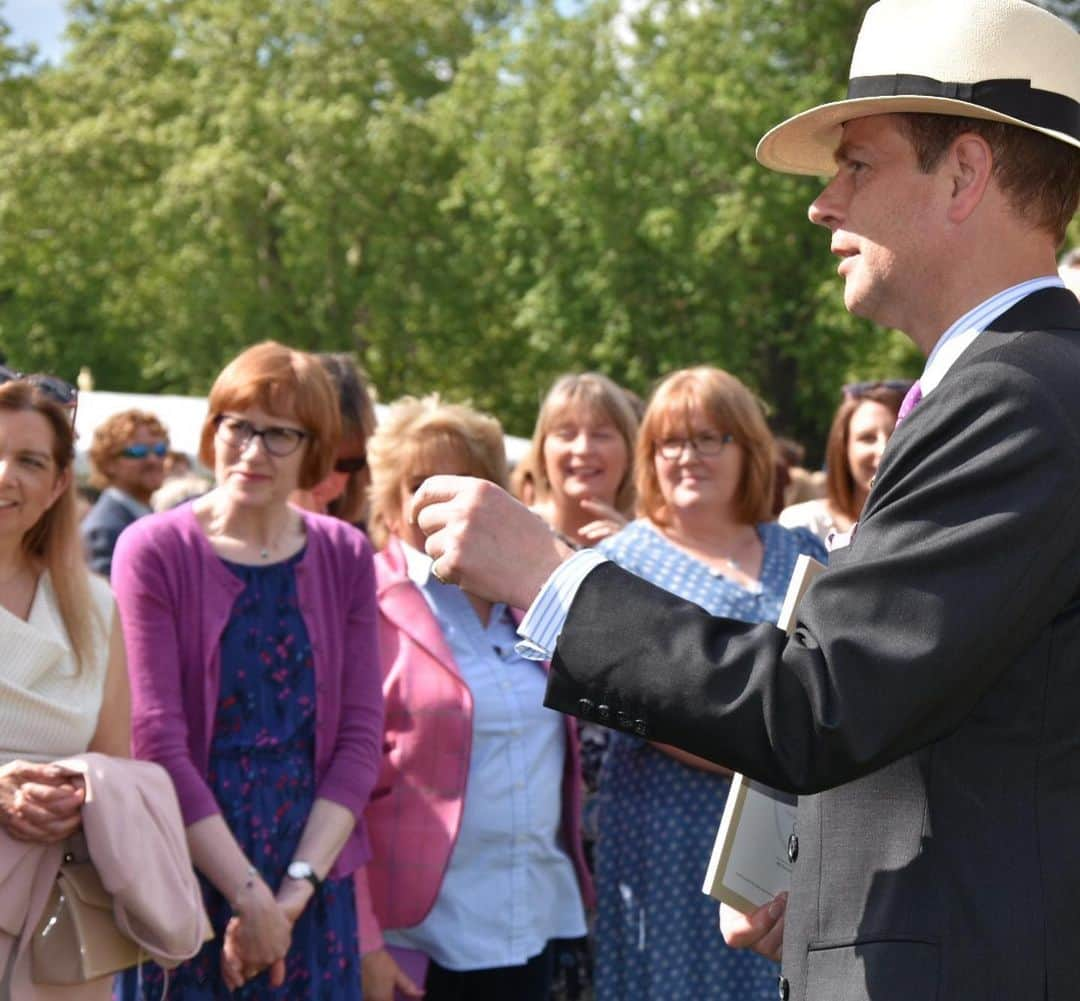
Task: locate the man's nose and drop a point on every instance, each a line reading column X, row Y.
column 825, row 210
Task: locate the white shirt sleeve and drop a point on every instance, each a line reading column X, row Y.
column 544, row 621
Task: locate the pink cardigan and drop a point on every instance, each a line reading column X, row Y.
column 414, row 814
column 175, row 597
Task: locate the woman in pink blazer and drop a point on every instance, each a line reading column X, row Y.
column 476, row 862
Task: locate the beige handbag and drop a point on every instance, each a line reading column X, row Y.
column 77, row 939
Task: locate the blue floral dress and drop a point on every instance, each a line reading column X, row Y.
column 657, row 934
column 262, row 773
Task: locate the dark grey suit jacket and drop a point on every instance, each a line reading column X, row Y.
column 927, row 707
column 101, row 528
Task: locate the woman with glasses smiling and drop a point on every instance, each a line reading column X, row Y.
column 704, row 470
column 250, row 628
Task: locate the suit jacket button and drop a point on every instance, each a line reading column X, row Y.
column 585, row 707
column 639, row 727
column 792, row 848
column 624, row 720
column 782, row 988
column 603, row 711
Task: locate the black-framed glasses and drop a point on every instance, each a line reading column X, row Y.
column 141, row 451
column 52, row 386
column 279, row 441
column 351, row 464
column 857, row 390
column 708, row 444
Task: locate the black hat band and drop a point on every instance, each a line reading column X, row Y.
column 1044, row 109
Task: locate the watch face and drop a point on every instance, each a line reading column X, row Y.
column 299, row 870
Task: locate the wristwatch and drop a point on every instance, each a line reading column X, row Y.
column 303, row 870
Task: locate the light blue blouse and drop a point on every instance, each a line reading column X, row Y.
column 509, row 887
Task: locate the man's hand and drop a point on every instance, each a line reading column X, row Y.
column 485, row 541
column 761, row 932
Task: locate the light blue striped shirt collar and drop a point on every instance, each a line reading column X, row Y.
column 956, row 340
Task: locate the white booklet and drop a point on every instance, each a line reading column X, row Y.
column 749, row 862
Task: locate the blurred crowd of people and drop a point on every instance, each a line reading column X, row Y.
column 372, row 795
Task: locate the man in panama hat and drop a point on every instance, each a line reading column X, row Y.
column 927, row 706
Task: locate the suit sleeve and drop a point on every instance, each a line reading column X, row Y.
column 966, row 552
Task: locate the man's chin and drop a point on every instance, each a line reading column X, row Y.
column 858, row 302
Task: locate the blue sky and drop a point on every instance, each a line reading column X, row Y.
column 42, row 22
column 37, row 21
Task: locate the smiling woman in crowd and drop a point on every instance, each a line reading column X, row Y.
column 63, row 686
column 705, row 470
column 860, row 429
column 581, row 458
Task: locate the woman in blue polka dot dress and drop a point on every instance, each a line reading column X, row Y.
column 704, row 472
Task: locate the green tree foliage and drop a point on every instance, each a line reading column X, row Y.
column 472, row 195
column 200, row 174
column 609, row 196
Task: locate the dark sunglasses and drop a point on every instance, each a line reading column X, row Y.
column 857, row 390
column 351, row 465
column 52, row 386
column 140, row 451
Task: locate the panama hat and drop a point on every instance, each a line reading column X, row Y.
column 1001, row 60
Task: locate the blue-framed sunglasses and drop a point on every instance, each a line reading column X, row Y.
column 140, row 451
column 63, row 393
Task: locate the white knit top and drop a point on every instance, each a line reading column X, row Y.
column 49, row 706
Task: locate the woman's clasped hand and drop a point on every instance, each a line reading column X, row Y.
column 40, row 802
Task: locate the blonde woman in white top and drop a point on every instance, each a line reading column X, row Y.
column 63, row 679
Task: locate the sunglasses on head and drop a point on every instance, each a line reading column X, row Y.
column 353, row 464
column 140, row 451
column 52, row 386
column 857, row 390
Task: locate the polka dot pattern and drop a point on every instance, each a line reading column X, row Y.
column 657, row 934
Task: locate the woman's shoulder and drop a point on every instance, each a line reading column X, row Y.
column 334, row 532
column 804, row 514
column 177, row 525
column 629, row 539
column 337, row 551
column 100, row 593
column 797, row 539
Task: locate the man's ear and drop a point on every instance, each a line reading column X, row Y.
column 971, row 163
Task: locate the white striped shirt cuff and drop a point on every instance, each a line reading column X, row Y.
column 544, row 621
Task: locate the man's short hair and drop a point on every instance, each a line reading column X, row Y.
column 115, row 433
column 1039, row 176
